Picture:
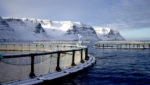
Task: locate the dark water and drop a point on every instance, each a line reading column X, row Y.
column 115, row 67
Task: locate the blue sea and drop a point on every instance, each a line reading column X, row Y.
column 115, row 67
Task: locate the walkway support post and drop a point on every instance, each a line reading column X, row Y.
column 86, row 54
column 32, row 74
column 58, row 62
column 82, row 61
column 73, row 56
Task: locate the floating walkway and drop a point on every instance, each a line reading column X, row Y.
column 123, row 44
column 37, row 67
column 54, row 75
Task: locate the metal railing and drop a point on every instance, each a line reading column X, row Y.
column 123, row 44
column 34, row 47
column 83, row 52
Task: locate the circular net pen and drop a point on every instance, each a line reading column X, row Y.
column 38, row 60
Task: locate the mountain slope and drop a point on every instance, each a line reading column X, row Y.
column 28, row 29
column 6, row 31
column 24, row 29
column 108, row 34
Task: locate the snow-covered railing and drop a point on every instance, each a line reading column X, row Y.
column 30, row 65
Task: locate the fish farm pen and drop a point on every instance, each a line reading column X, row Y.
column 123, row 44
column 35, row 63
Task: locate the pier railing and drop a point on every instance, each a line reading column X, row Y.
column 35, row 47
column 123, row 44
column 20, row 66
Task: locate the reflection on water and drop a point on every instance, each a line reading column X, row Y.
column 113, row 67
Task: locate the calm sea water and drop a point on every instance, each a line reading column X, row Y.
column 115, row 67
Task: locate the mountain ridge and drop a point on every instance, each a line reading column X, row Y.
column 29, row 29
column 108, row 34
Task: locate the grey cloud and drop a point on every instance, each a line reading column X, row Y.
column 114, row 13
column 134, row 13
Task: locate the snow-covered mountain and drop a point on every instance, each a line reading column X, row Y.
column 24, row 29
column 108, row 34
column 28, row 29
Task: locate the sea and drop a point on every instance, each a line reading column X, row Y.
column 115, row 67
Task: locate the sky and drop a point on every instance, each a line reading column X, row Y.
column 130, row 17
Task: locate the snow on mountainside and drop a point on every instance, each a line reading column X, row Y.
column 6, row 31
column 108, row 34
column 24, row 29
column 28, row 29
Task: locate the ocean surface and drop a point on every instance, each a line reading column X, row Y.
column 115, row 67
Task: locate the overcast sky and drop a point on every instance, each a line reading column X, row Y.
column 129, row 16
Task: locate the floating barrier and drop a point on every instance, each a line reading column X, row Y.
column 123, row 44
column 46, row 62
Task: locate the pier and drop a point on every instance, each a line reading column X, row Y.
column 123, row 45
column 42, row 62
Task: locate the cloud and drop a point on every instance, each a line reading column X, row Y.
column 121, row 14
column 133, row 14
